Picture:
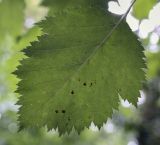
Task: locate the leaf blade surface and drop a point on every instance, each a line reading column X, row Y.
column 72, row 76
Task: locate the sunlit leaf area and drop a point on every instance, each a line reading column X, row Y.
column 25, row 24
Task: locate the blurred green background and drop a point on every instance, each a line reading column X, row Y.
column 128, row 126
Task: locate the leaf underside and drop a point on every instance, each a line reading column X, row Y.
column 75, row 73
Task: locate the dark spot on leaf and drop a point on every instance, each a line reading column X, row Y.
column 91, row 84
column 119, row 90
column 69, row 118
column 56, row 111
column 84, row 84
column 63, row 111
column 72, row 92
column 79, row 80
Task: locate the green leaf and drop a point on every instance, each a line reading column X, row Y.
column 58, row 5
column 12, row 40
column 142, row 7
column 75, row 74
column 11, row 17
column 11, row 26
column 153, row 65
column 9, row 64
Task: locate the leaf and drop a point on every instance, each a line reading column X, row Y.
column 142, row 7
column 9, row 64
column 12, row 17
column 11, row 25
column 58, row 5
column 75, row 74
column 153, row 65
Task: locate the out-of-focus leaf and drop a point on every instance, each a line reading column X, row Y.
column 11, row 17
column 153, row 64
column 142, row 7
column 11, row 26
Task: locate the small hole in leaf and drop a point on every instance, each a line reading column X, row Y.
column 56, row 111
column 84, row 84
column 63, row 111
column 72, row 92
